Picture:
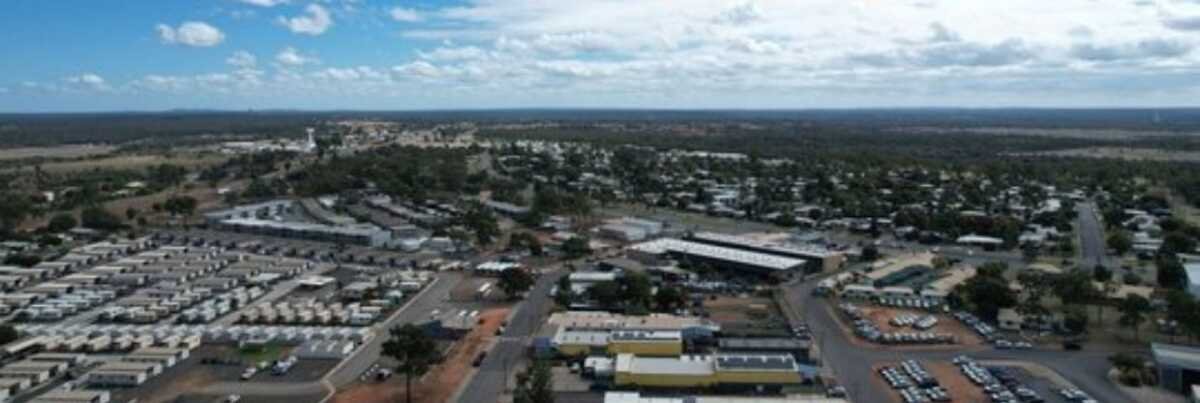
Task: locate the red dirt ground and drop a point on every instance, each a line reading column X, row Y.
column 443, row 380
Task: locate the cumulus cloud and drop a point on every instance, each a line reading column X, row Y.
column 191, row 33
column 89, row 81
column 315, row 21
column 1146, row 49
column 743, row 52
column 1182, row 23
column 405, row 14
column 264, row 3
column 289, row 56
column 242, row 59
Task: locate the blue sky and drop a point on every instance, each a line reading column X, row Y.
column 102, row 55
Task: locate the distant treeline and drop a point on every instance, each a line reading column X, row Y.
column 119, row 128
column 122, row 128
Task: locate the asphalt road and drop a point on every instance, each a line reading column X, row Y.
column 851, row 364
column 432, row 298
column 489, row 381
column 1092, row 247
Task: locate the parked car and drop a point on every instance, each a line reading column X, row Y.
column 479, row 359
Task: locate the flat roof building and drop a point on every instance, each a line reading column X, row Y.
column 1178, row 366
column 73, row 396
column 719, row 256
column 720, row 371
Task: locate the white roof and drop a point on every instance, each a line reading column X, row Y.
column 773, row 262
column 683, row 365
column 1193, row 272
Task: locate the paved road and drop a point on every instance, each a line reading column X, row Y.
column 1092, row 246
column 419, row 308
column 851, row 364
column 489, row 381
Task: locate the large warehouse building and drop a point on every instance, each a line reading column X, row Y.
column 659, row 250
column 818, row 259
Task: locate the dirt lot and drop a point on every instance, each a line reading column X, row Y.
column 726, row 309
column 882, row 317
column 443, row 380
column 69, row 151
column 467, row 289
column 134, row 161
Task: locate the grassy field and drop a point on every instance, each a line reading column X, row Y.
column 270, row 352
column 134, row 161
column 68, row 151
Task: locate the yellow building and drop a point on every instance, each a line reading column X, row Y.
column 701, row 371
column 657, row 343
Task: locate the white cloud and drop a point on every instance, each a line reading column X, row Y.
column 242, row 59
column 405, row 14
column 191, row 33
column 315, row 21
column 289, row 56
column 88, row 81
column 748, row 53
column 264, row 3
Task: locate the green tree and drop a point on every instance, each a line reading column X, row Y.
column 535, row 385
column 514, row 282
column 988, row 291
column 576, row 247
column 181, row 206
column 96, row 217
column 8, row 334
column 1075, row 320
column 1133, row 312
column 1074, row 287
column 414, row 350
column 636, row 290
column 1170, row 273
column 670, row 298
column 870, row 253
column 1178, row 242
column 1120, row 242
column 564, row 295
column 606, row 293
column 481, row 221
column 62, row 222
column 13, row 210
column 1102, row 274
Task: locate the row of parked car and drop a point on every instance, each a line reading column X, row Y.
column 914, row 383
column 867, row 329
column 978, row 325
column 911, row 302
column 1000, row 384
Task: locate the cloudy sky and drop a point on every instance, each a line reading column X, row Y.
column 451, row 54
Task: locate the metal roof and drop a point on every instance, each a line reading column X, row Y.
column 1176, row 355
column 770, row 343
column 763, row 362
column 749, row 258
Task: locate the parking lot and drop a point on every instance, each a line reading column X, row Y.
column 903, row 327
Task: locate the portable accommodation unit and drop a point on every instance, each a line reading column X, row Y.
column 73, row 396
